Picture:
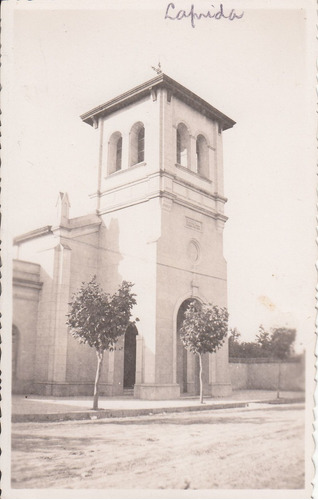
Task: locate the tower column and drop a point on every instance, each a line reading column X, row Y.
column 193, row 154
column 60, row 298
column 125, row 152
column 139, row 359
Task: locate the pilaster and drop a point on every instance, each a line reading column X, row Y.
column 192, row 160
column 139, row 359
column 60, row 299
column 219, row 185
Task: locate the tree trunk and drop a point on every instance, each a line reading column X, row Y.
column 99, row 355
column 278, row 381
column 201, row 381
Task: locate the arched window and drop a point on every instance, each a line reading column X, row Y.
column 202, row 155
column 182, row 145
column 137, row 144
column 115, row 147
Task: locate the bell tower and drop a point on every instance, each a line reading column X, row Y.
column 160, row 197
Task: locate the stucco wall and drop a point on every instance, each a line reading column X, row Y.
column 26, row 290
column 181, row 276
column 265, row 376
column 80, row 359
column 130, row 238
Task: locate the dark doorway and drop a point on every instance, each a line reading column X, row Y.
column 182, row 356
column 130, row 357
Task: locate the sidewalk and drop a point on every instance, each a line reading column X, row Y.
column 42, row 409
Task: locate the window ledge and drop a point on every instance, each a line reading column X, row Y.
column 135, row 165
column 122, row 170
column 196, row 174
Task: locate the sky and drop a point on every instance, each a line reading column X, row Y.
column 64, row 58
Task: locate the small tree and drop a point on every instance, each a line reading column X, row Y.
column 99, row 319
column 235, row 335
column 238, row 349
column 204, row 329
column 264, row 340
column 281, row 341
column 235, row 347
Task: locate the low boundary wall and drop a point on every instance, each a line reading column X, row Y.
column 263, row 374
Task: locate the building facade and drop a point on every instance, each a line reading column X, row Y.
column 158, row 222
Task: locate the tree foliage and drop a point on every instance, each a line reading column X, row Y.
column 263, row 339
column 282, row 340
column 276, row 344
column 98, row 319
column 203, row 330
column 239, row 349
column 235, row 335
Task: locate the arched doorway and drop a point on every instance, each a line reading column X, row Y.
column 130, row 357
column 187, row 364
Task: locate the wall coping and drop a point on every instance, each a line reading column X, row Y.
column 248, row 361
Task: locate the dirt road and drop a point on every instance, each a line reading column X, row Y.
column 225, row 449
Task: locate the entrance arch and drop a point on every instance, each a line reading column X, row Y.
column 130, row 356
column 187, row 368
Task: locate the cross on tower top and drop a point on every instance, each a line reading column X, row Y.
column 158, row 70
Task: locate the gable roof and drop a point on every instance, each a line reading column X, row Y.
column 160, row 81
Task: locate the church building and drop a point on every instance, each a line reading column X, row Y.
column 158, row 222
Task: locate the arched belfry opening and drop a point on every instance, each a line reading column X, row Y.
column 202, row 156
column 183, row 138
column 137, row 143
column 130, row 356
column 115, row 147
column 187, row 363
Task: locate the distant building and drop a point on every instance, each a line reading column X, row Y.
column 159, row 223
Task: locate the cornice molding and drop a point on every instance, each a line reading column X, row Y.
column 198, row 208
column 168, row 196
column 75, row 226
column 36, row 233
column 16, row 261
column 147, row 88
column 162, row 174
column 23, row 282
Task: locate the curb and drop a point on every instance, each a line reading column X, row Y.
column 285, row 401
column 95, row 415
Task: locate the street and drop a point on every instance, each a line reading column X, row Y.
column 261, row 447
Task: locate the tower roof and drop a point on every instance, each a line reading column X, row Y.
column 160, row 81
